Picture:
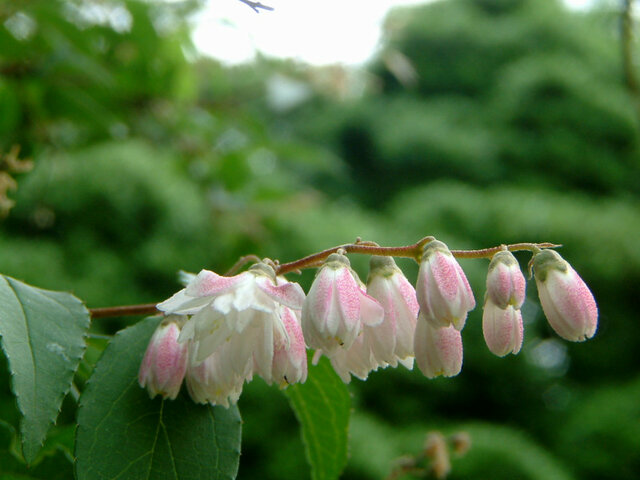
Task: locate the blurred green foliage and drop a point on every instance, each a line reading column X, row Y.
column 481, row 122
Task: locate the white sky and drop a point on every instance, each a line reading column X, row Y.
column 312, row 31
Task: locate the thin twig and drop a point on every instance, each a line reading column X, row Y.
column 410, row 251
column 514, row 247
column 257, row 6
column 315, row 260
column 242, row 261
column 124, row 311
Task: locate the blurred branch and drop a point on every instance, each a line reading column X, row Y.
column 434, row 460
column 627, row 54
column 10, row 163
column 256, row 6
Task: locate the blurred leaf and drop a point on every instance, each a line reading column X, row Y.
column 152, row 439
column 56, row 465
column 323, row 405
column 43, row 337
column 601, row 436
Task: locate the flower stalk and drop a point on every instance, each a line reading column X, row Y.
column 315, row 260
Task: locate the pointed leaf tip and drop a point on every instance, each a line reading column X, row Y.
column 43, row 336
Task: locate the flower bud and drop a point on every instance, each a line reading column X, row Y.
column 392, row 340
column 505, row 282
column 566, row 300
column 443, row 292
column 502, row 328
column 165, row 361
column 336, row 307
column 290, row 358
column 438, row 350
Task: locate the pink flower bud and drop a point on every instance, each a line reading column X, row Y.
column 165, row 361
column 505, row 282
column 444, row 294
column 392, row 340
column 438, row 349
column 566, row 300
column 502, row 328
column 290, row 357
column 336, row 307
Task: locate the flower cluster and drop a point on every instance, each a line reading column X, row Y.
column 220, row 331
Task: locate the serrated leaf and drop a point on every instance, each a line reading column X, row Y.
column 123, row 434
column 43, row 337
column 323, row 405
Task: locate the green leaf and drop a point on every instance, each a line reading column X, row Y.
column 123, row 434
column 322, row 405
column 43, row 337
column 53, row 465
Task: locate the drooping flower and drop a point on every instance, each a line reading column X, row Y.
column 210, row 382
column 235, row 326
column 290, row 359
column 392, row 340
column 502, row 329
column 502, row 319
column 336, row 307
column 165, row 361
column 566, row 300
column 443, row 292
column 438, row 350
column 505, row 281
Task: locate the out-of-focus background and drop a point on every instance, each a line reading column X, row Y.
column 478, row 121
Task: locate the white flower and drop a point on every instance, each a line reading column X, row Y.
column 210, row 382
column 392, row 340
column 438, row 349
column 237, row 320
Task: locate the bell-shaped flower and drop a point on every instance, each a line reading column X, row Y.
column 501, row 319
column 336, row 307
column 165, row 362
column 505, row 281
column 237, row 318
column 443, row 292
column 566, row 300
column 502, row 328
column 290, row 358
column 438, row 350
column 392, row 340
column 357, row 360
column 209, row 382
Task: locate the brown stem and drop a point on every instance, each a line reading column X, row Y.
column 370, row 248
column 124, row 310
column 490, row 252
column 410, row 251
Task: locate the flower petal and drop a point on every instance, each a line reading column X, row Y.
column 208, row 283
